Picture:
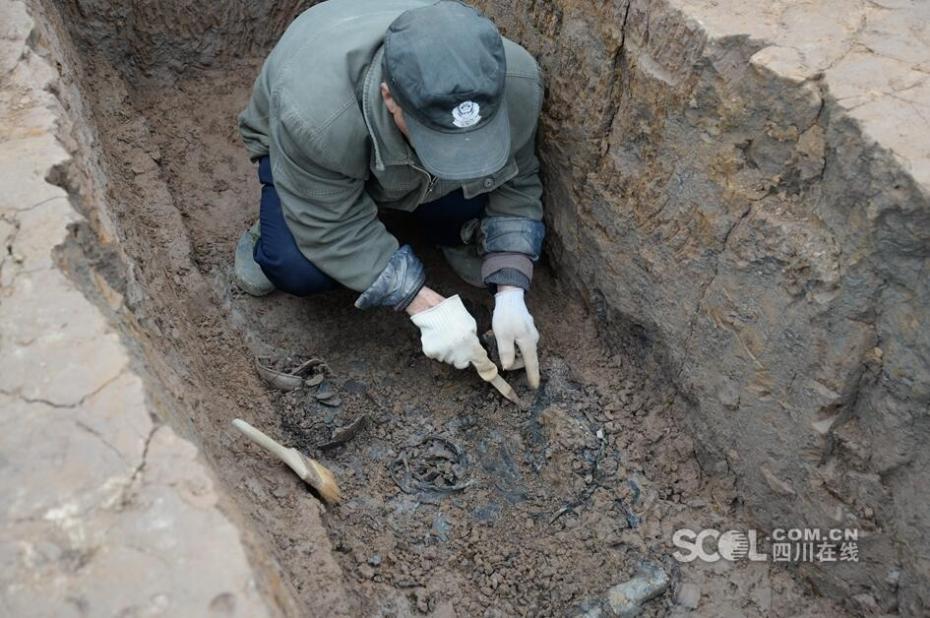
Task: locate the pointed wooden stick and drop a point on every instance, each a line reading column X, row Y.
column 488, row 372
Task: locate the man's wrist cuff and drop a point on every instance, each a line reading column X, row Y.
column 398, row 283
column 494, row 262
column 511, row 235
column 508, row 276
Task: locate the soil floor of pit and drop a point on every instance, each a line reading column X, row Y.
column 537, row 512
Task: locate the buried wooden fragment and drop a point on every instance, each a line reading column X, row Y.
column 341, row 435
column 290, row 380
column 278, row 379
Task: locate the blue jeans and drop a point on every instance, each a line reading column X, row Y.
column 277, row 254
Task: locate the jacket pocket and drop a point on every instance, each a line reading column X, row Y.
column 489, row 183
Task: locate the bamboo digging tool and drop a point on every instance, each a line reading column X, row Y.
column 488, row 372
column 310, row 470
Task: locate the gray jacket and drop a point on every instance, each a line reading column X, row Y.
column 336, row 155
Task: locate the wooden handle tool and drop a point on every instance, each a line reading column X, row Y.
column 488, row 372
column 310, row 470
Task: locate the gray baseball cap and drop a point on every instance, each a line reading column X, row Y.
column 445, row 67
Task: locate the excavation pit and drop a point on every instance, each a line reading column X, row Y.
column 456, row 502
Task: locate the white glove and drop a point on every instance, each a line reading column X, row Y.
column 449, row 333
column 513, row 324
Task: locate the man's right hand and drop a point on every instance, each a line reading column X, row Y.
column 447, row 331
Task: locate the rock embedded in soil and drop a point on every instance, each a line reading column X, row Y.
column 688, row 595
column 626, row 600
column 325, row 391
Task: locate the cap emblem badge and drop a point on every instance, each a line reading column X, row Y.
column 466, row 114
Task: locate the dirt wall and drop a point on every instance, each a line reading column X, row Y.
column 734, row 214
column 165, row 37
column 107, row 510
column 124, row 288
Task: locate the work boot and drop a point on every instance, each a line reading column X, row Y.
column 249, row 274
column 466, row 263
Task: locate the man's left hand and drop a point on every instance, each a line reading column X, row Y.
column 514, row 328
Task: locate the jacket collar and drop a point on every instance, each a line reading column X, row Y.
column 390, row 146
